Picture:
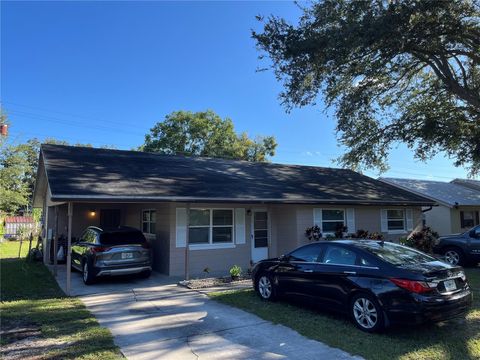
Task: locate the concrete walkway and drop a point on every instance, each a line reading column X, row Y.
column 156, row 319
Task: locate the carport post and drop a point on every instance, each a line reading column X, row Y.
column 187, row 241
column 55, row 242
column 69, row 246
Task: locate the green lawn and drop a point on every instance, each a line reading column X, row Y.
column 30, row 298
column 457, row 339
column 10, row 249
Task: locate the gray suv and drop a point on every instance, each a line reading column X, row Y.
column 116, row 252
column 460, row 249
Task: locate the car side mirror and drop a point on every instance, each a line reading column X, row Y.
column 284, row 257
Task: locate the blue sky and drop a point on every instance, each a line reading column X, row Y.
column 105, row 72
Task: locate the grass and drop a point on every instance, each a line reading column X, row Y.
column 30, row 297
column 456, row 339
column 10, row 249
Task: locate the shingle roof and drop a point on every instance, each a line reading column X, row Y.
column 473, row 184
column 79, row 173
column 448, row 193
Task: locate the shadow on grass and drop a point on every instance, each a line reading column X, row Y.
column 455, row 339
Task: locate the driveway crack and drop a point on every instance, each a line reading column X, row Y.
column 191, row 349
column 134, row 295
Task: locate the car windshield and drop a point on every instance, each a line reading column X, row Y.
column 122, row 238
column 397, row 254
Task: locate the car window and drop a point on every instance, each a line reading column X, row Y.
column 90, row 236
column 308, row 253
column 339, row 255
column 122, row 237
column 397, row 254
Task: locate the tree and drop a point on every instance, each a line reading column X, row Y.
column 205, row 134
column 394, row 71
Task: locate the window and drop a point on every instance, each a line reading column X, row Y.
column 211, row 226
column 332, row 219
column 339, row 256
column 468, row 219
column 308, row 253
column 149, row 218
column 396, row 219
column 89, row 236
column 397, row 254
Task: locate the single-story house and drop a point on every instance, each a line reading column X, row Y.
column 15, row 225
column 228, row 212
column 458, row 202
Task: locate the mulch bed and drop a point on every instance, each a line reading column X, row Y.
column 214, row 282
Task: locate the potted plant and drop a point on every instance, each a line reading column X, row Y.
column 235, row 272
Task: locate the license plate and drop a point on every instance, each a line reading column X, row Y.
column 127, row 255
column 450, row 285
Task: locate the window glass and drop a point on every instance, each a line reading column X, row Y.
column 199, row 217
column 90, row 236
column 148, row 221
column 199, row 235
column 222, row 235
column 308, row 253
column 397, row 254
column 467, row 219
column 222, row 217
column 396, row 219
column 332, row 215
column 339, row 255
column 332, row 219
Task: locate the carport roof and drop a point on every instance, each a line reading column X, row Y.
column 92, row 174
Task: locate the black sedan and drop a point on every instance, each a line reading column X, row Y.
column 121, row 251
column 377, row 283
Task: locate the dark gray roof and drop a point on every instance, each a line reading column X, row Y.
column 448, row 193
column 472, row 184
column 90, row 174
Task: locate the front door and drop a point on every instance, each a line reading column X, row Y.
column 260, row 235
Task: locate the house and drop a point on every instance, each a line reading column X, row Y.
column 458, row 202
column 228, row 212
column 14, row 225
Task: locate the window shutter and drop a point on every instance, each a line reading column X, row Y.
column 351, row 220
column 384, row 220
column 462, row 219
column 181, row 231
column 409, row 215
column 317, row 218
column 240, row 226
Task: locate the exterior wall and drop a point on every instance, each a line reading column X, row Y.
column 440, row 219
column 455, row 218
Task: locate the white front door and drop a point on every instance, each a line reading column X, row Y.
column 260, row 235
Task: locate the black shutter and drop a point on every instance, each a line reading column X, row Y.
column 462, row 220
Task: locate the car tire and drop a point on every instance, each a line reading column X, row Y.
column 145, row 274
column 454, row 256
column 87, row 274
column 265, row 287
column 366, row 312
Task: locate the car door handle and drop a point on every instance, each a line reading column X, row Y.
column 307, row 270
column 350, row 272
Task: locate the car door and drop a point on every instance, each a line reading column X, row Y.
column 296, row 271
column 77, row 251
column 474, row 243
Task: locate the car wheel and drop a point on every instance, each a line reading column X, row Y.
column 87, row 274
column 367, row 313
column 454, row 256
column 265, row 287
column 145, row 274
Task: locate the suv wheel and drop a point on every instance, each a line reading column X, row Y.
column 87, row 274
column 454, row 256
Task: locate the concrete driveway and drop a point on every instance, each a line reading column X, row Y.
column 156, row 319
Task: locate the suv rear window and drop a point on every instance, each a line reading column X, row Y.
column 122, row 238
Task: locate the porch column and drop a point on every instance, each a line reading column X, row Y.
column 45, row 233
column 69, row 246
column 55, row 242
column 187, row 241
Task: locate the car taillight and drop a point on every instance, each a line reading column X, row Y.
column 98, row 249
column 417, row 287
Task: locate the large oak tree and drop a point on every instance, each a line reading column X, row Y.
column 393, row 71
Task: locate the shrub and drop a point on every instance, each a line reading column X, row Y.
column 235, row 271
column 313, row 233
column 340, row 229
column 422, row 240
column 364, row 234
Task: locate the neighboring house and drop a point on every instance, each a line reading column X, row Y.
column 14, row 225
column 230, row 212
column 458, row 202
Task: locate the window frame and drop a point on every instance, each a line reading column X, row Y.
column 397, row 231
column 474, row 218
column 149, row 222
column 210, row 226
column 334, row 221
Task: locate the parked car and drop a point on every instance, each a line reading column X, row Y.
column 116, row 252
column 462, row 249
column 377, row 283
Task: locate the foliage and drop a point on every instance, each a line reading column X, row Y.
column 313, row 233
column 235, row 271
column 13, row 249
column 394, row 72
column 205, row 134
column 423, row 240
column 364, row 234
column 340, row 230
